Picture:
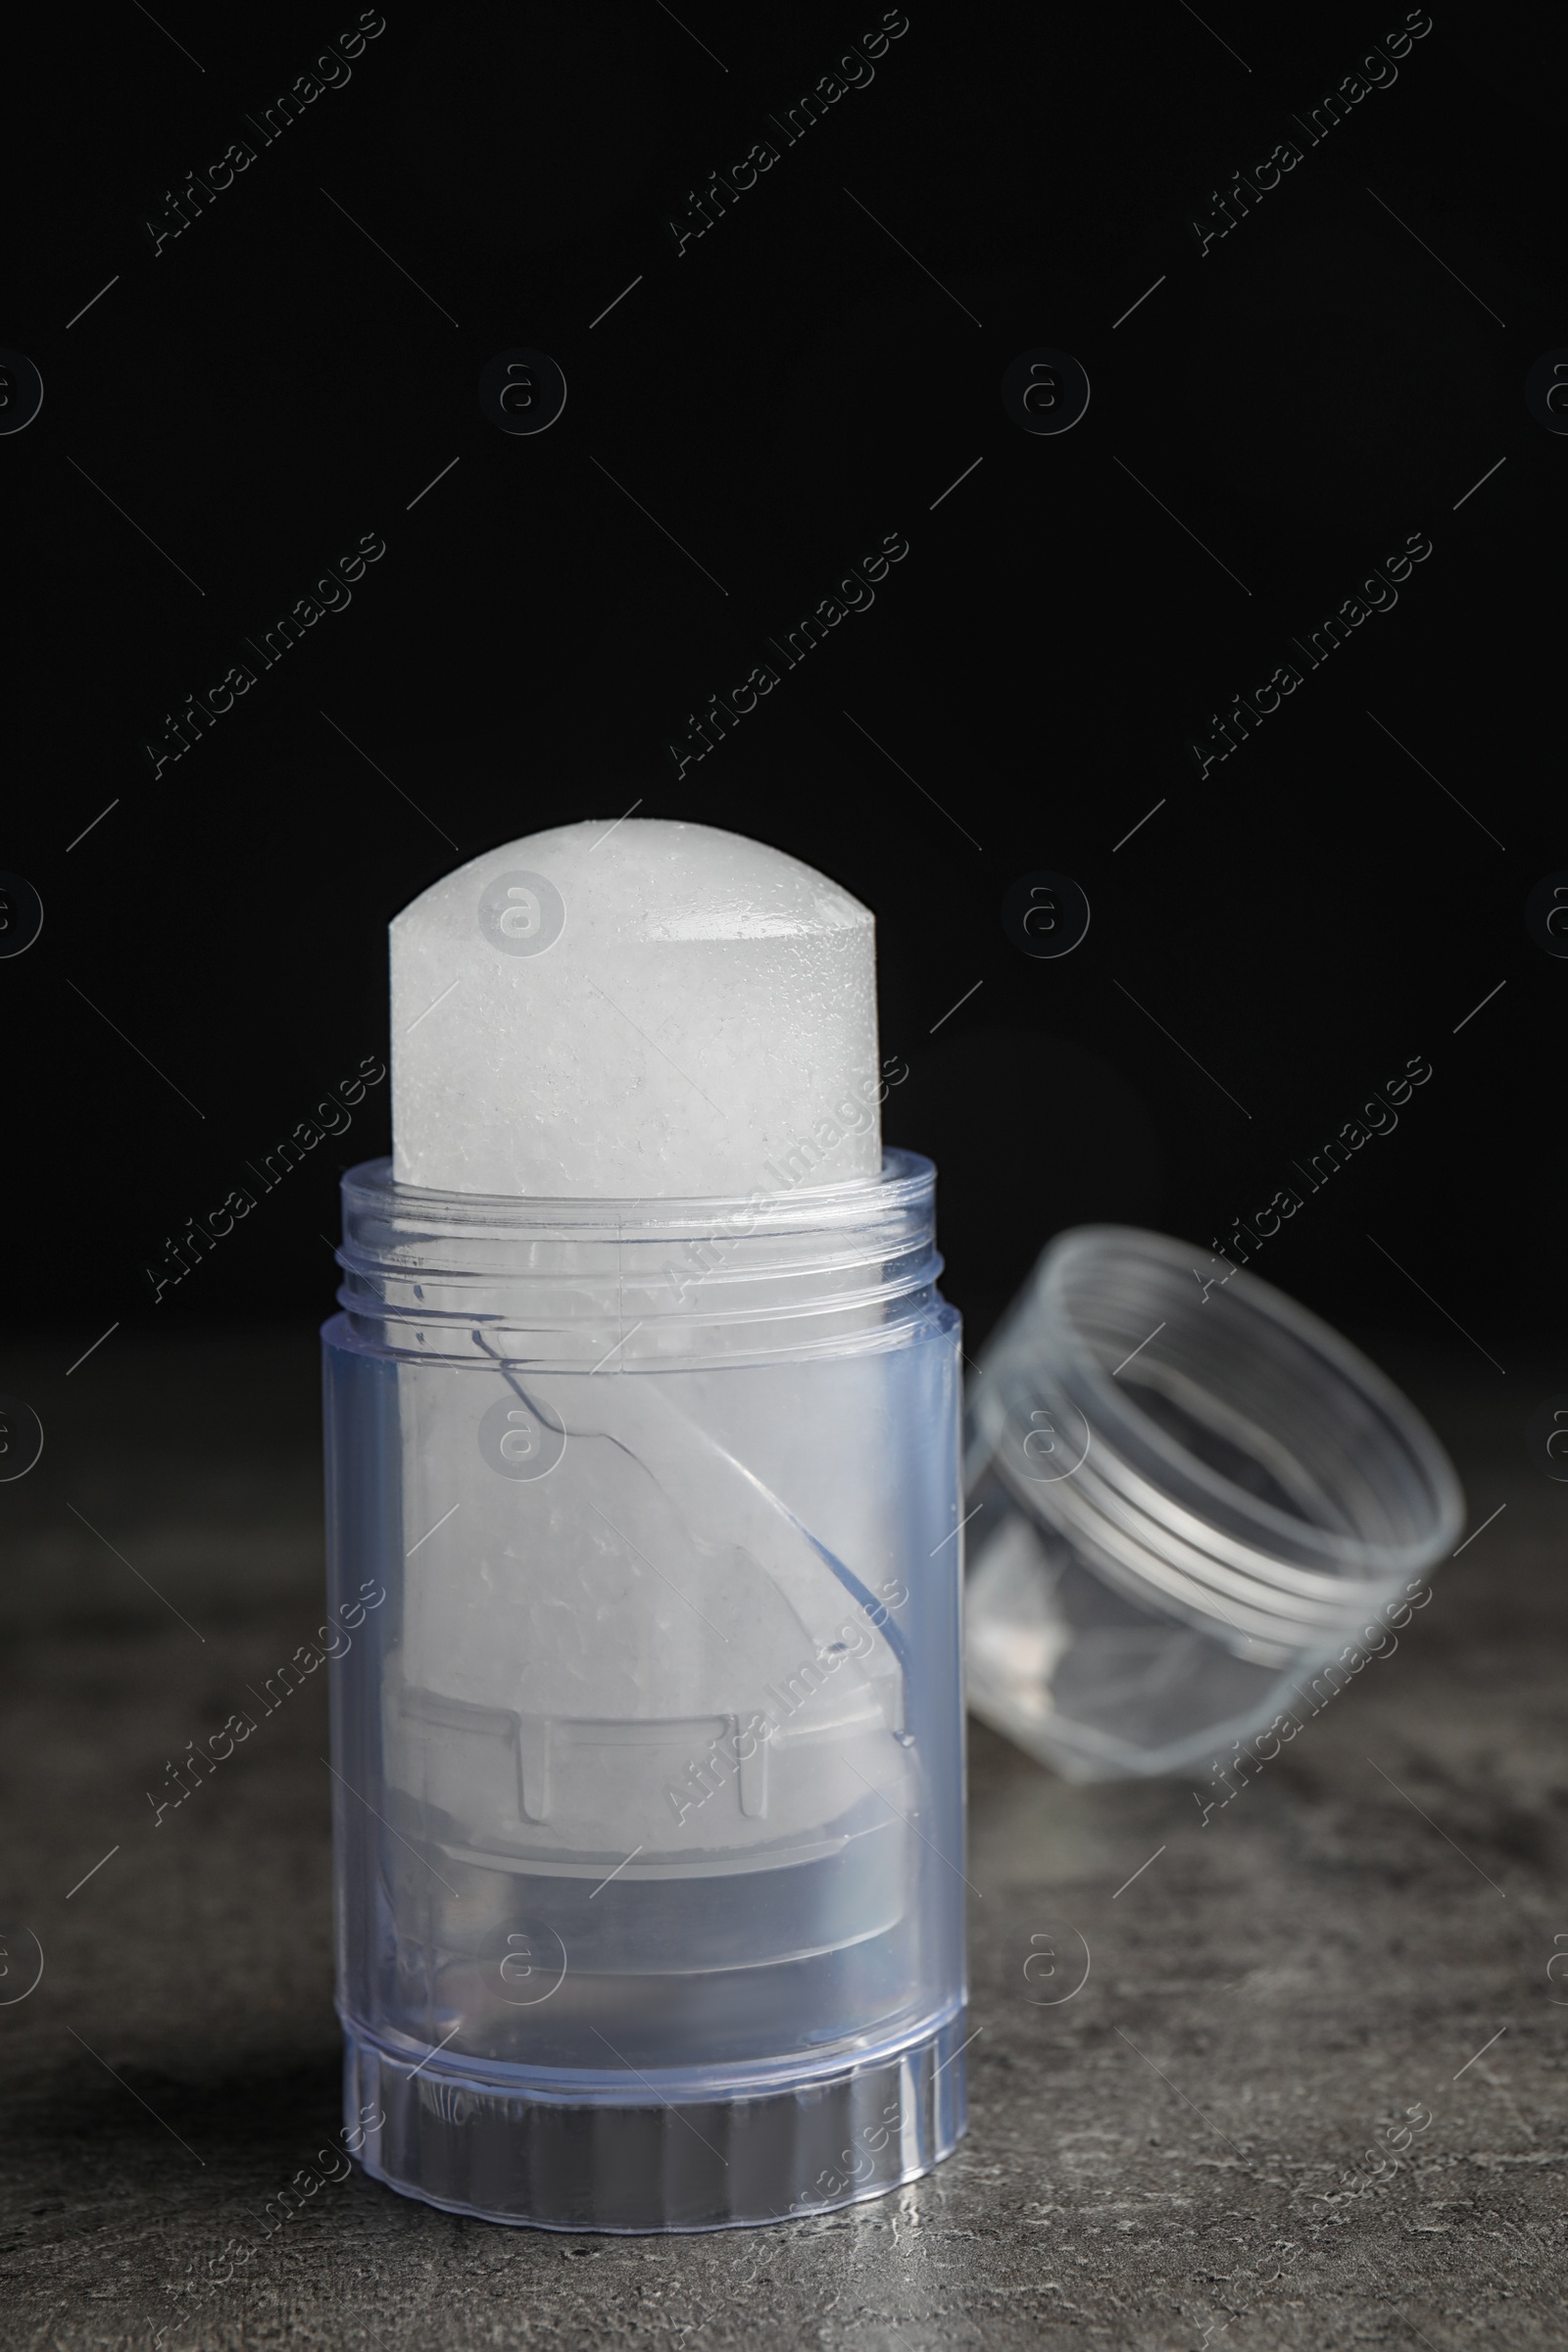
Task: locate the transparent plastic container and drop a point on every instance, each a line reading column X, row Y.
column 648, row 1763
column 1188, row 1502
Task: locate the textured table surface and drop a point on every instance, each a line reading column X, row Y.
column 1176, row 2156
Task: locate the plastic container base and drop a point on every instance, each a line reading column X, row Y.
column 472, row 2142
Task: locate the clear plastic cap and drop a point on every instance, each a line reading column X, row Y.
column 1212, row 1455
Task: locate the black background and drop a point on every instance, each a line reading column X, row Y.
column 779, row 396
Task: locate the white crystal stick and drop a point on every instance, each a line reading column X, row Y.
column 634, row 1010
column 637, row 1010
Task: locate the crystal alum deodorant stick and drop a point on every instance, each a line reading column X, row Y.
column 641, row 1408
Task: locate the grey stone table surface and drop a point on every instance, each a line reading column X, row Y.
column 1311, row 2094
